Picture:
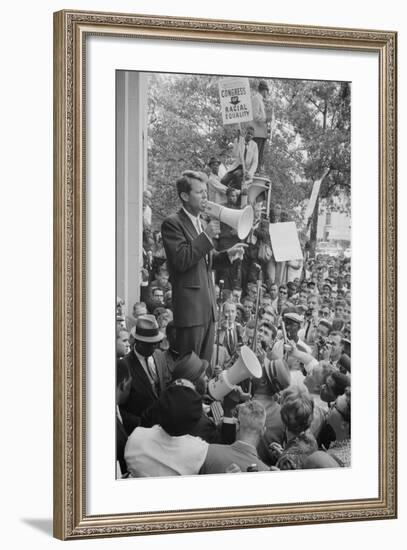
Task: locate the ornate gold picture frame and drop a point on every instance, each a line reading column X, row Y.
column 71, row 31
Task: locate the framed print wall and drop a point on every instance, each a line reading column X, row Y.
column 102, row 139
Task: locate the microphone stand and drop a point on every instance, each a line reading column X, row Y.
column 256, row 316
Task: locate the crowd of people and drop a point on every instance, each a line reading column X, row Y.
column 205, row 295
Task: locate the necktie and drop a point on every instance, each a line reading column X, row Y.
column 245, row 151
column 152, row 373
column 199, row 230
column 230, row 340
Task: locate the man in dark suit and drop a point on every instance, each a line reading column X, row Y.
column 188, row 244
column 147, row 381
column 231, row 333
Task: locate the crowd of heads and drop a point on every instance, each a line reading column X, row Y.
column 296, row 319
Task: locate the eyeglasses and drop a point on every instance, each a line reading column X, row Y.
column 283, row 292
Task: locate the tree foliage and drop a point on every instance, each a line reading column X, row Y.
column 310, row 133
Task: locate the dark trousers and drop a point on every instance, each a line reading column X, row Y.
column 261, row 142
column 234, row 178
column 231, row 276
column 199, row 339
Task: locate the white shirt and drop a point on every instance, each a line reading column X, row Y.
column 297, row 377
column 151, row 452
column 196, row 222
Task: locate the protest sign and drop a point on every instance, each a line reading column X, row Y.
column 284, row 241
column 235, row 100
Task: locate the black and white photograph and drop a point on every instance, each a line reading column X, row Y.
column 233, row 274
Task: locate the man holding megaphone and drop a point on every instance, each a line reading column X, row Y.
column 189, row 246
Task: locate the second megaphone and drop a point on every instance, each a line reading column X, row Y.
column 240, row 220
column 246, row 366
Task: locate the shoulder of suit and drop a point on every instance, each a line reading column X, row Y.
column 130, row 359
column 175, row 217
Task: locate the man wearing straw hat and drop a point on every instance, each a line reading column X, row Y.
column 147, row 380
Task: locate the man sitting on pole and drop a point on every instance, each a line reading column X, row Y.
column 245, row 159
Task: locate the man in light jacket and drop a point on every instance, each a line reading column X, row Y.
column 260, row 119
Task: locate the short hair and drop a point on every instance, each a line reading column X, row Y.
column 340, row 303
column 122, row 372
column 231, row 190
column 162, row 270
column 252, row 416
column 139, row 304
column 250, row 127
column 271, row 327
column 266, row 324
column 167, row 313
column 326, row 324
column 297, row 409
column 314, row 296
column 270, row 310
column 337, row 333
column 226, row 294
column 282, row 286
column 159, row 311
column 155, row 288
column 184, row 183
column 120, row 328
column 341, row 382
column 338, row 324
column 229, row 303
column 251, row 324
column 297, row 451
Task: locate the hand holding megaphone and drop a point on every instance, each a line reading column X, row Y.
column 213, row 229
column 236, row 252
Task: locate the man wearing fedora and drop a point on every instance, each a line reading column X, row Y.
column 189, row 246
column 147, row 379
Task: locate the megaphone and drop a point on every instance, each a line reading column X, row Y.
column 247, row 365
column 240, row 220
column 259, row 185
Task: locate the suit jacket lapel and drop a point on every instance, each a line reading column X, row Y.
column 160, row 366
column 188, row 225
column 140, row 375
